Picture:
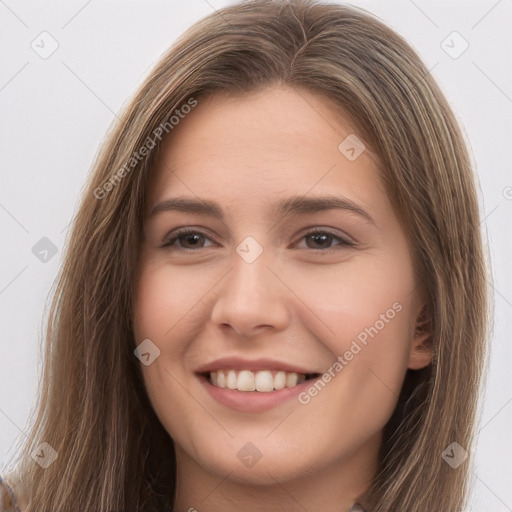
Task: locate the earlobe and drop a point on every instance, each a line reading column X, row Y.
column 421, row 347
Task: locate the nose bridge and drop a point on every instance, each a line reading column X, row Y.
column 250, row 278
column 250, row 295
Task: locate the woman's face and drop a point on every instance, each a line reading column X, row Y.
column 295, row 268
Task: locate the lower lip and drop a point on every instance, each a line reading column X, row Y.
column 252, row 401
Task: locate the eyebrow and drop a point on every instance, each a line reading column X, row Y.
column 295, row 205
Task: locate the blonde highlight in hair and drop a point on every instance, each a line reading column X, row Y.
column 113, row 453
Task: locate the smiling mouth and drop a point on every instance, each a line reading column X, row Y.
column 264, row 381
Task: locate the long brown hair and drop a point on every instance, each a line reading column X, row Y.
column 93, row 410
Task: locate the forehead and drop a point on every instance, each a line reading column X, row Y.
column 250, row 148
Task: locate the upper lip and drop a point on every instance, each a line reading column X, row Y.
column 238, row 363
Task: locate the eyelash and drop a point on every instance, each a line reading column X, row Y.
column 184, row 232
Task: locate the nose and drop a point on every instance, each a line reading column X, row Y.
column 252, row 298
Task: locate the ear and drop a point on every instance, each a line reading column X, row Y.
column 421, row 350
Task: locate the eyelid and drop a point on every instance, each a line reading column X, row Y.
column 344, row 238
column 171, row 238
column 174, row 235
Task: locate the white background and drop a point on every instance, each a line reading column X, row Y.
column 55, row 111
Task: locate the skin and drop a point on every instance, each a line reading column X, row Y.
column 296, row 302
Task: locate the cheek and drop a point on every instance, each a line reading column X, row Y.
column 154, row 305
column 166, row 306
column 367, row 308
column 362, row 299
column 168, row 301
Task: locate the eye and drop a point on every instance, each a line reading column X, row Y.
column 191, row 238
column 187, row 239
column 324, row 239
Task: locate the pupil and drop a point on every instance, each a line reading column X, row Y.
column 318, row 238
column 193, row 238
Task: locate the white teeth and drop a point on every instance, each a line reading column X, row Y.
column 291, row 379
column 231, row 381
column 264, row 381
column 280, row 380
column 245, row 381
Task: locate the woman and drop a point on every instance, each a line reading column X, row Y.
column 274, row 292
